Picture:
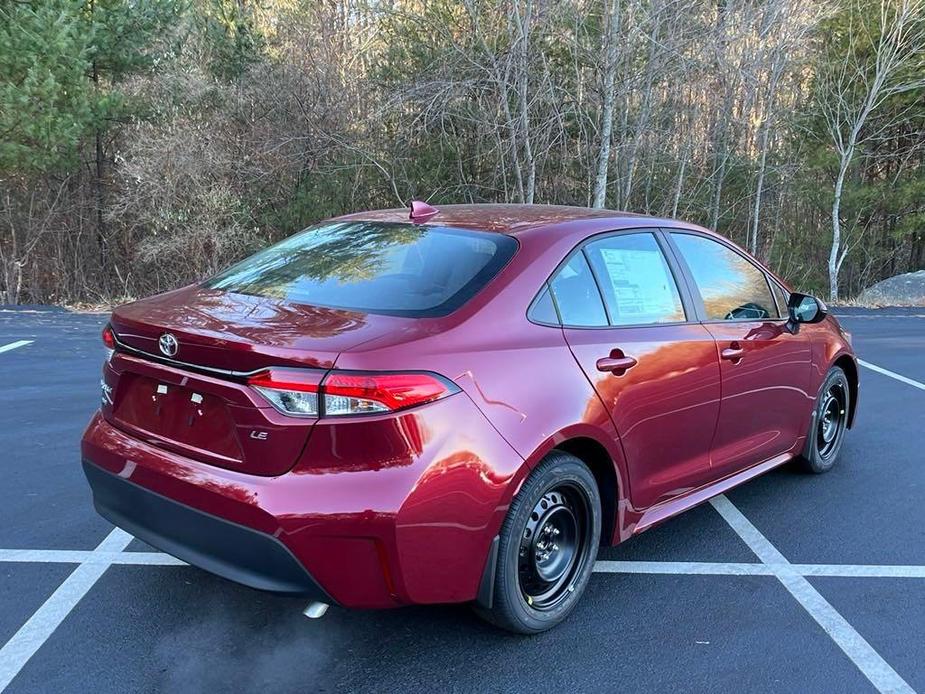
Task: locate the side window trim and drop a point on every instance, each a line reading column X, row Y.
column 555, row 304
column 698, row 310
column 689, row 300
column 781, row 310
column 780, row 293
column 597, row 283
column 689, row 277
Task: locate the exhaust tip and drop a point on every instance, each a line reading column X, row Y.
column 315, row 610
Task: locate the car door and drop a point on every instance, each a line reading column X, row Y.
column 766, row 370
column 626, row 320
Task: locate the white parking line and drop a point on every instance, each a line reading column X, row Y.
column 690, row 568
column 698, row 568
column 891, row 374
column 861, row 653
column 93, row 564
column 81, row 556
column 853, row 571
column 684, row 568
column 15, row 345
column 41, row 625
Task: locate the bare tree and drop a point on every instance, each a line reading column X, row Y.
column 679, row 107
column 785, row 29
column 874, row 69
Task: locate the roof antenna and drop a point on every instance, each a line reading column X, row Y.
column 421, row 211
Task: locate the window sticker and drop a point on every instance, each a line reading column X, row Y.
column 642, row 287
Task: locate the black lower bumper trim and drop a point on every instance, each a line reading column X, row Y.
column 227, row 549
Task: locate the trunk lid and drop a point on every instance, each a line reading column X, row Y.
column 195, row 402
column 222, row 330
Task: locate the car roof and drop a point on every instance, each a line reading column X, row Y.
column 513, row 219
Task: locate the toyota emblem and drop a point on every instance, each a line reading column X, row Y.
column 168, row 345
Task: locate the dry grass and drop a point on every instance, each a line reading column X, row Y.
column 93, row 307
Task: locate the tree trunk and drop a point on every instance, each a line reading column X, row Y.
column 643, row 124
column 679, row 187
column 606, row 129
column 834, row 263
column 523, row 84
column 719, row 173
column 759, row 189
column 98, row 185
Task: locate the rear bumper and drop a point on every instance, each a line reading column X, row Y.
column 380, row 513
column 227, row 549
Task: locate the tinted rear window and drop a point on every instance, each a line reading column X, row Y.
column 397, row 269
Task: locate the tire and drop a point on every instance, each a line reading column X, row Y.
column 552, row 531
column 828, row 424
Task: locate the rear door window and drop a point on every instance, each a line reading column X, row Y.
column 636, row 280
column 396, row 269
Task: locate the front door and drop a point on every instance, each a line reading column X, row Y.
column 766, row 370
column 656, row 373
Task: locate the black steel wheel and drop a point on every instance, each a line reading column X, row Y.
column 832, row 420
column 547, row 547
column 553, row 543
column 829, row 423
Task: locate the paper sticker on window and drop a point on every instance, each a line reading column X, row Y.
column 643, row 289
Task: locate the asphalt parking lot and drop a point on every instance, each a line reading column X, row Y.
column 792, row 583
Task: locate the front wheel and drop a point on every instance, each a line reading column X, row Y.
column 829, row 423
column 548, row 544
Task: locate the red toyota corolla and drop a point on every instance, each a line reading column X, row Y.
column 459, row 406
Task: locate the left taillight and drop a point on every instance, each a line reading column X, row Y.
column 309, row 393
column 291, row 391
column 109, row 340
column 109, row 337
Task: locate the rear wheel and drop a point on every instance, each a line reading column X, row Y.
column 548, row 544
column 829, row 423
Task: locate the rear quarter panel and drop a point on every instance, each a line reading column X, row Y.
column 522, row 376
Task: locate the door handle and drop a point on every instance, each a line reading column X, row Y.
column 615, row 364
column 733, row 353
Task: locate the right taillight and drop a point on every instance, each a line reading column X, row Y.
column 308, row 393
column 362, row 393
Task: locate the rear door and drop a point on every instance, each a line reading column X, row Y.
column 625, row 318
column 765, row 369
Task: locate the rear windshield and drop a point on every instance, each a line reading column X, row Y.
column 397, row 269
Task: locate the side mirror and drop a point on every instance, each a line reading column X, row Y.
column 803, row 308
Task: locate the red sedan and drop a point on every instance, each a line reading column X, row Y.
column 459, row 406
